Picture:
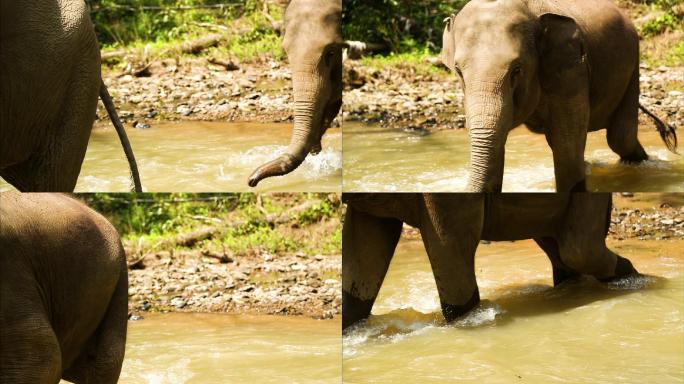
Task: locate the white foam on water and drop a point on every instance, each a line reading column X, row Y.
column 632, row 282
column 327, row 162
column 660, row 159
column 484, row 314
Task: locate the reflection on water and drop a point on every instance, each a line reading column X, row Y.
column 209, row 348
column 524, row 330
column 380, row 159
column 196, row 156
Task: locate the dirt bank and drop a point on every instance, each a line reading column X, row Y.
column 308, row 285
column 196, row 89
column 280, row 255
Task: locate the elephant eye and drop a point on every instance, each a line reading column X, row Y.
column 516, row 72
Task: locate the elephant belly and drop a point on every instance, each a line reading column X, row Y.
column 515, row 216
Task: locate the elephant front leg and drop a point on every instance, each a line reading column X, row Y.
column 567, row 136
column 451, row 235
column 368, row 244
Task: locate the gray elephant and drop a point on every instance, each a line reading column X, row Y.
column 561, row 68
column 570, row 228
column 313, row 42
column 63, row 292
column 49, row 85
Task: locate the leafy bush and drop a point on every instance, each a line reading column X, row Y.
column 402, row 25
column 122, row 22
column 671, row 19
column 158, row 213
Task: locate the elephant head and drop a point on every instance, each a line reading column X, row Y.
column 313, row 43
column 506, row 56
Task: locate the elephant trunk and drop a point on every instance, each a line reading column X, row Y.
column 487, row 118
column 305, row 135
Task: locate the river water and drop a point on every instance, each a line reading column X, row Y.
column 385, row 159
column 525, row 331
column 195, row 156
column 188, row 348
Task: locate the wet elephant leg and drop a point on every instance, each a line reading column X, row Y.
column 451, row 233
column 561, row 272
column 368, row 244
column 623, row 125
column 582, row 240
column 567, row 137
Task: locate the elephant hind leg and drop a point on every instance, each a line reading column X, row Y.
column 582, row 240
column 101, row 360
column 368, row 244
column 29, row 352
column 624, row 125
column 561, row 272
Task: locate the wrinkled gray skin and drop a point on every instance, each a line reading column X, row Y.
column 63, row 292
column 563, row 68
column 49, row 86
column 570, row 228
column 313, row 42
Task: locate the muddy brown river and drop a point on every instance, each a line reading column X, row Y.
column 525, row 331
column 195, row 156
column 386, row 159
column 184, row 348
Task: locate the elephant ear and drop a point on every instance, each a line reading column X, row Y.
column 448, row 43
column 562, row 55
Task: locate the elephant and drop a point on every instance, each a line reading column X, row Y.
column 313, row 43
column 561, row 68
column 569, row 227
column 63, row 292
column 50, row 80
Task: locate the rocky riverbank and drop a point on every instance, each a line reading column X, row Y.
column 199, row 89
column 278, row 254
column 195, row 281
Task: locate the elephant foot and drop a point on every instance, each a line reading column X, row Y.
column 354, row 309
column 452, row 312
column 562, row 275
column 635, row 158
column 623, row 268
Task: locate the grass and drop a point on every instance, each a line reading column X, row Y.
column 416, row 59
column 245, row 223
column 249, row 34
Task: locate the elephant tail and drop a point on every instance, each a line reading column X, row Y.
column 667, row 132
column 114, row 117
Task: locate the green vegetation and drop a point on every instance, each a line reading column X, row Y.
column 670, row 19
column 243, row 223
column 163, row 24
column 402, row 25
column 415, row 59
